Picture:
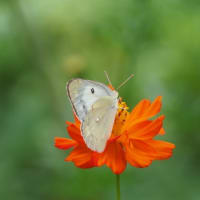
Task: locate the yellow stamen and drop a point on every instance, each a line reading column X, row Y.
column 120, row 118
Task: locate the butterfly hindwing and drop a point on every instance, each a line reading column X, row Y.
column 98, row 123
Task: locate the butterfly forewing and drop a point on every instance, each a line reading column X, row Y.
column 83, row 93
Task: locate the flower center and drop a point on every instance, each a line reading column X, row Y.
column 120, row 118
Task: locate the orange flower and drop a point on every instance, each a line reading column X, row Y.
column 132, row 140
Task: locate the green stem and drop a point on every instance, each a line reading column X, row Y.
column 118, row 186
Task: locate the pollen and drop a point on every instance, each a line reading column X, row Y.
column 120, row 118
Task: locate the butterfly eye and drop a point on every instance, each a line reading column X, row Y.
column 92, row 90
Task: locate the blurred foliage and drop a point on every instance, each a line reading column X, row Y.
column 45, row 43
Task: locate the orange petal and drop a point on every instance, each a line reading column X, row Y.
column 83, row 157
column 74, row 132
column 136, row 156
column 113, row 157
column 137, row 125
column 163, row 149
column 162, row 131
column 64, row 143
column 146, row 130
column 77, row 121
column 130, row 124
column 139, row 109
column 144, row 109
column 141, row 153
column 154, row 108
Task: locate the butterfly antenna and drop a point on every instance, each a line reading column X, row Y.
column 124, row 82
column 108, row 78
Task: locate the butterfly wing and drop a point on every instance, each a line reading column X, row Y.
column 97, row 126
column 84, row 93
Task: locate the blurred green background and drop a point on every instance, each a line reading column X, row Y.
column 45, row 43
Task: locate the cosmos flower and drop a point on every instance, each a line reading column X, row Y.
column 132, row 140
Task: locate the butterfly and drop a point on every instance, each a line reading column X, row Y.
column 95, row 105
